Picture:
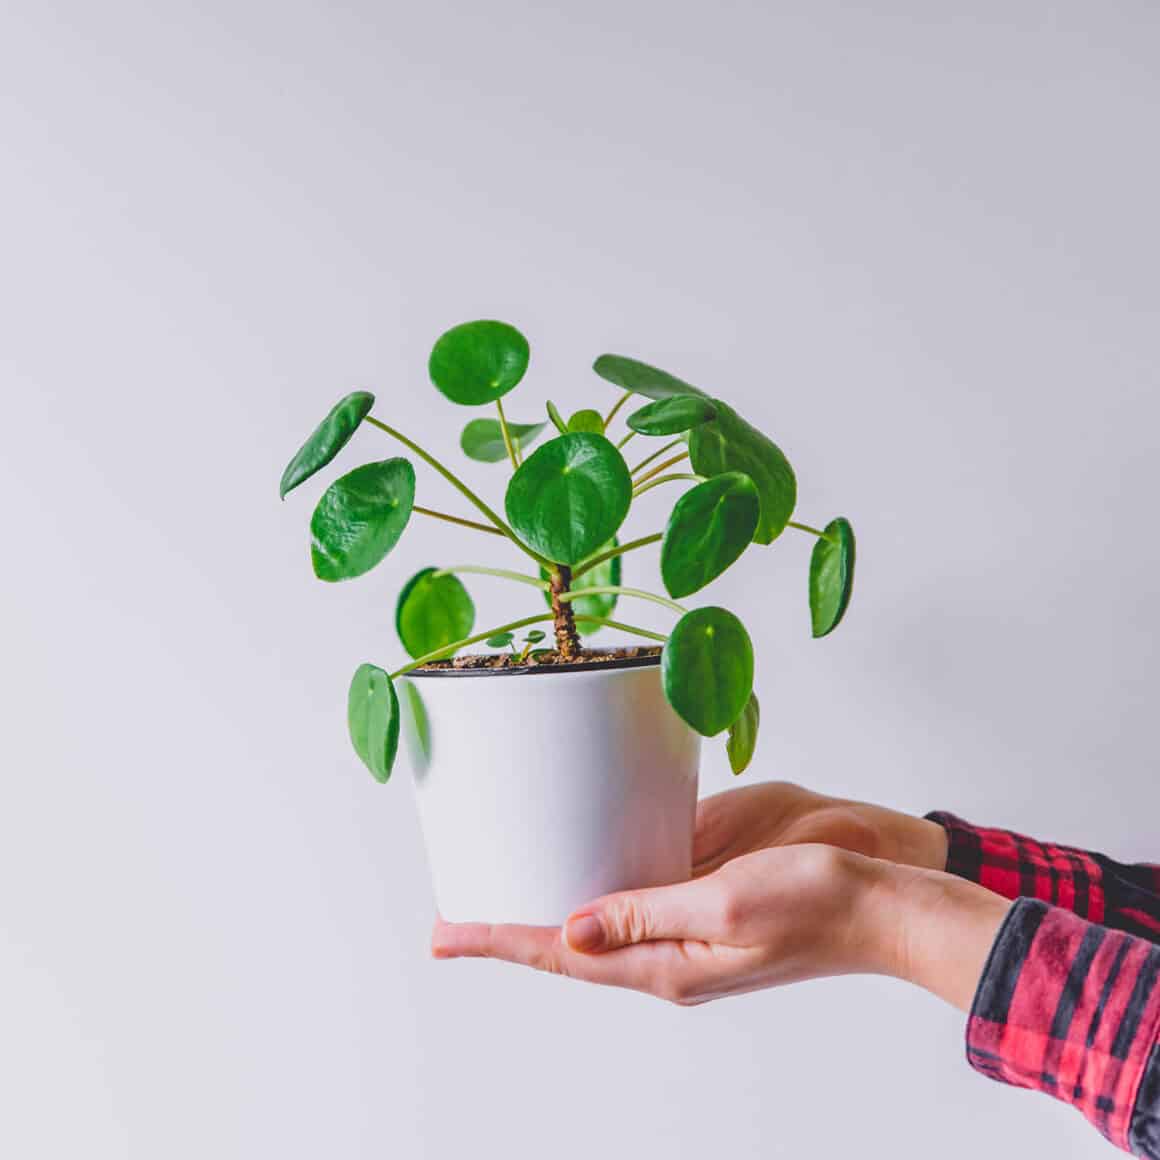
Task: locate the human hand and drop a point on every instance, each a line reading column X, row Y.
column 779, row 813
column 762, row 919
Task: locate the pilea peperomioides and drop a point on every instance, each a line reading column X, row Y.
column 565, row 506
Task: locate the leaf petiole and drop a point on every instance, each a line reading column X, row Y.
column 619, row 403
column 660, row 468
column 503, row 573
column 806, row 528
column 457, row 520
column 616, row 590
column 619, row 550
column 666, row 479
column 507, row 435
column 448, row 649
column 645, row 632
column 461, row 487
column 655, row 455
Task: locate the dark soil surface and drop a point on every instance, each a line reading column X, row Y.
column 508, row 660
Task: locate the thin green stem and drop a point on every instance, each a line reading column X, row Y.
column 806, row 528
column 623, row 627
column 666, row 479
column 448, row 649
column 625, row 440
column 503, row 573
column 461, row 487
column 655, row 455
column 619, row 403
column 457, row 520
column 616, row 590
column 619, row 550
column 507, row 435
column 660, row 467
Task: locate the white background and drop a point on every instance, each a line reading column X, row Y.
column 917, row 243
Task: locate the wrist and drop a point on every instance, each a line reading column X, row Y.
column 908, row 840
column 932, row 929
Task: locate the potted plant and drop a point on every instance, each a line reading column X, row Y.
column 600, row 793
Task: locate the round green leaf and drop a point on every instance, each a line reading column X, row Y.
column 588, row 420
column 569, row 496
column 672, row 416
column 831, row 576
column 500, row 640
column 535, row 636
column 729, row 443
column 743, row 736
column 601, row 604
column 478, row 362
column 372, row 715
column 328, row 439
column 557, row 418
column 433, row 611
column 711, row 525
column 482, row 439
column 641, row 378
column 707, row 669
column 360, row 518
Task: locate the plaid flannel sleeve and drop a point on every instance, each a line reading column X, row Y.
column 1069, row 1001
column 1072, row 1008
column 1125, row 897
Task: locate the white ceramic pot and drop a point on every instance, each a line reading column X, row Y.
column 539, row 789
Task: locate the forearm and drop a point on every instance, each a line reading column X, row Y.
column 1056, row 1004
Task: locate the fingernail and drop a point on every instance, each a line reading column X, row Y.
column 584, row 933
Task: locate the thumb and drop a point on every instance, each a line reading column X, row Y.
column 686, row 910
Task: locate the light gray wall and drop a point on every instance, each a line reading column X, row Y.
column 917, row 242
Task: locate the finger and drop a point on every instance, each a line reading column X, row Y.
column 688, row 910
column 481, row 940
column 671, row 970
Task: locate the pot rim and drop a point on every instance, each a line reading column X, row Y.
column 541, row 670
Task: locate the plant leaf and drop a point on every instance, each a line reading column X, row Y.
column 500, row 640
column 372, row 715
column 535, row 636
column 831, row 576
column 557, row 418
column 601, row 604
column 482, row 439
column 711, row 525
column 707, row 669
column 360, row 518
column 569, row 496
column 743, row 736
column 672, row 416
column 433, row 611
column 478, row 362
column 327, row 440
column 416, row 729
column 640, row 378
column 729, row 443
column 590, row 421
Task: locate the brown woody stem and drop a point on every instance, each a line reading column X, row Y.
column 567, row 638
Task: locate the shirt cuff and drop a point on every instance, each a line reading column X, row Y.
column 1016, row 866
column 1071, row 1008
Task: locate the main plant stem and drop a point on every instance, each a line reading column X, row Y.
column 564, row 621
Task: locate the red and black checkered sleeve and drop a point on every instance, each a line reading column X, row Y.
column 1093, row 886
column 1072, row 1008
